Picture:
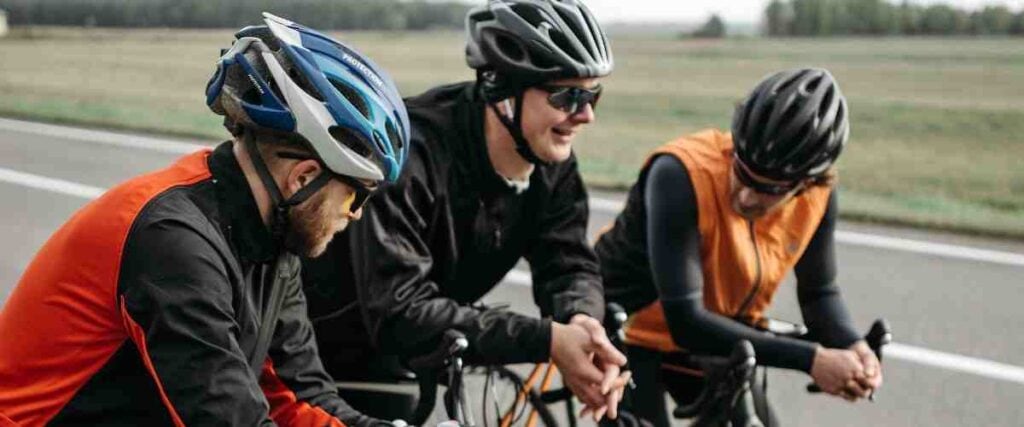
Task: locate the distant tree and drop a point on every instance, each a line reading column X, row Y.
column 993, row 20
column 910, row 18
column 863, row 16
column 840, row 20
column 806, row 17
column 939, row 19
column 322, row 14
column 713, row 28
column 778, row 18
column 1018, row 24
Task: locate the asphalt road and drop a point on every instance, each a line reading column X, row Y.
column 958, row 305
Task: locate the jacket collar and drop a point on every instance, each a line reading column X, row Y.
column 240, row 221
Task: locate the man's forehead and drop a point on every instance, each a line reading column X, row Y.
column 584, row 82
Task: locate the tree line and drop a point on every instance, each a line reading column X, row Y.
column 879, row 17
column 320, row 14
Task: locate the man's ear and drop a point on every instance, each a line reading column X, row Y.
column 301, row 175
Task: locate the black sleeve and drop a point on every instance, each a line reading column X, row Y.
column 673, row 242
column 566, row 279
column 392, row 256
column 175, row 286
column 828, row 321
column 296, row 365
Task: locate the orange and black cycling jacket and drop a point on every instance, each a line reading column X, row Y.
column 145, row 308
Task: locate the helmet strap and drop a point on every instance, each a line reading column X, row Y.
column 279, row 218
column 514, row 127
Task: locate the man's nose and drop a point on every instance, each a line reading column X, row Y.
column 584, row 115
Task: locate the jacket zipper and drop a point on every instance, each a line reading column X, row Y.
column 757, row 278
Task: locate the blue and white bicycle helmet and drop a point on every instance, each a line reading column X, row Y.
column 287, row 78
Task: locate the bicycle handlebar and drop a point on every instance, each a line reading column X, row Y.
column 427, row 368
column 453, row 343
column 726, row 376
column 877, row 337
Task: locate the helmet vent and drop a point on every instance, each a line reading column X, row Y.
column 529, row 14
column 277, row 91
column 251, row 95
column 579, row 33
column 826, row 104
column 352, row 97
column 396, row 141
column 595, row 29
column 509, row 47
column 563, row 43
column 303, row 83
column 350, row 139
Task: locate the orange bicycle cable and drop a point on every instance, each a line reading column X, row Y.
column 531, row 421
column 506, row 420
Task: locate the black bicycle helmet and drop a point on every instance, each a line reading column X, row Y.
column 792, row 126
column 526, row 42
column 515, row 44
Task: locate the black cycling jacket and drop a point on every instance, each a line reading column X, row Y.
column 640, row 260
column 445, row 235
column 147, row 308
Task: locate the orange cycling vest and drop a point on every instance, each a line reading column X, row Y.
column 743, row 261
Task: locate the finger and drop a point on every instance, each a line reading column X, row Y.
column 848, row 396
column 621, row 382
column 878, row 380
column 872, row 382
column 582, row 371
column 589, row 394
column 871, row 365
column 613, row 403
column 586, row 411
column 611, row 373
column 600, row 413
column 608, row 353
column 854, row 387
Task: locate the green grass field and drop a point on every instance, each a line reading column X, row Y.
column 938, row 124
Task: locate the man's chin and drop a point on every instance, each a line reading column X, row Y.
column 747, row 213
column 558, row 153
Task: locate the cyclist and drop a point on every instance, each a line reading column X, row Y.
column 713, row 224
column 174, row 298
column 491, row 179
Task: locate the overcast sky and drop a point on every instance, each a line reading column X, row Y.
column 730, row 10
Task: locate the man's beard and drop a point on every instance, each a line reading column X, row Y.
column 311, row 226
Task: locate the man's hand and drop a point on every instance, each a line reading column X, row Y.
column 872, row 367
column 572, row 351
column 839, row 372
column 609, row 360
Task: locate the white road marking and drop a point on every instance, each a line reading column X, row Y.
column 955, row 362
column 50, row 184
column 930, row 248
column 908, row 353
column 101, row 137
column 882, row 242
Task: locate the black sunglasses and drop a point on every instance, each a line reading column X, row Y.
column 749, row 181
column 572, row 99
column 361, row 189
